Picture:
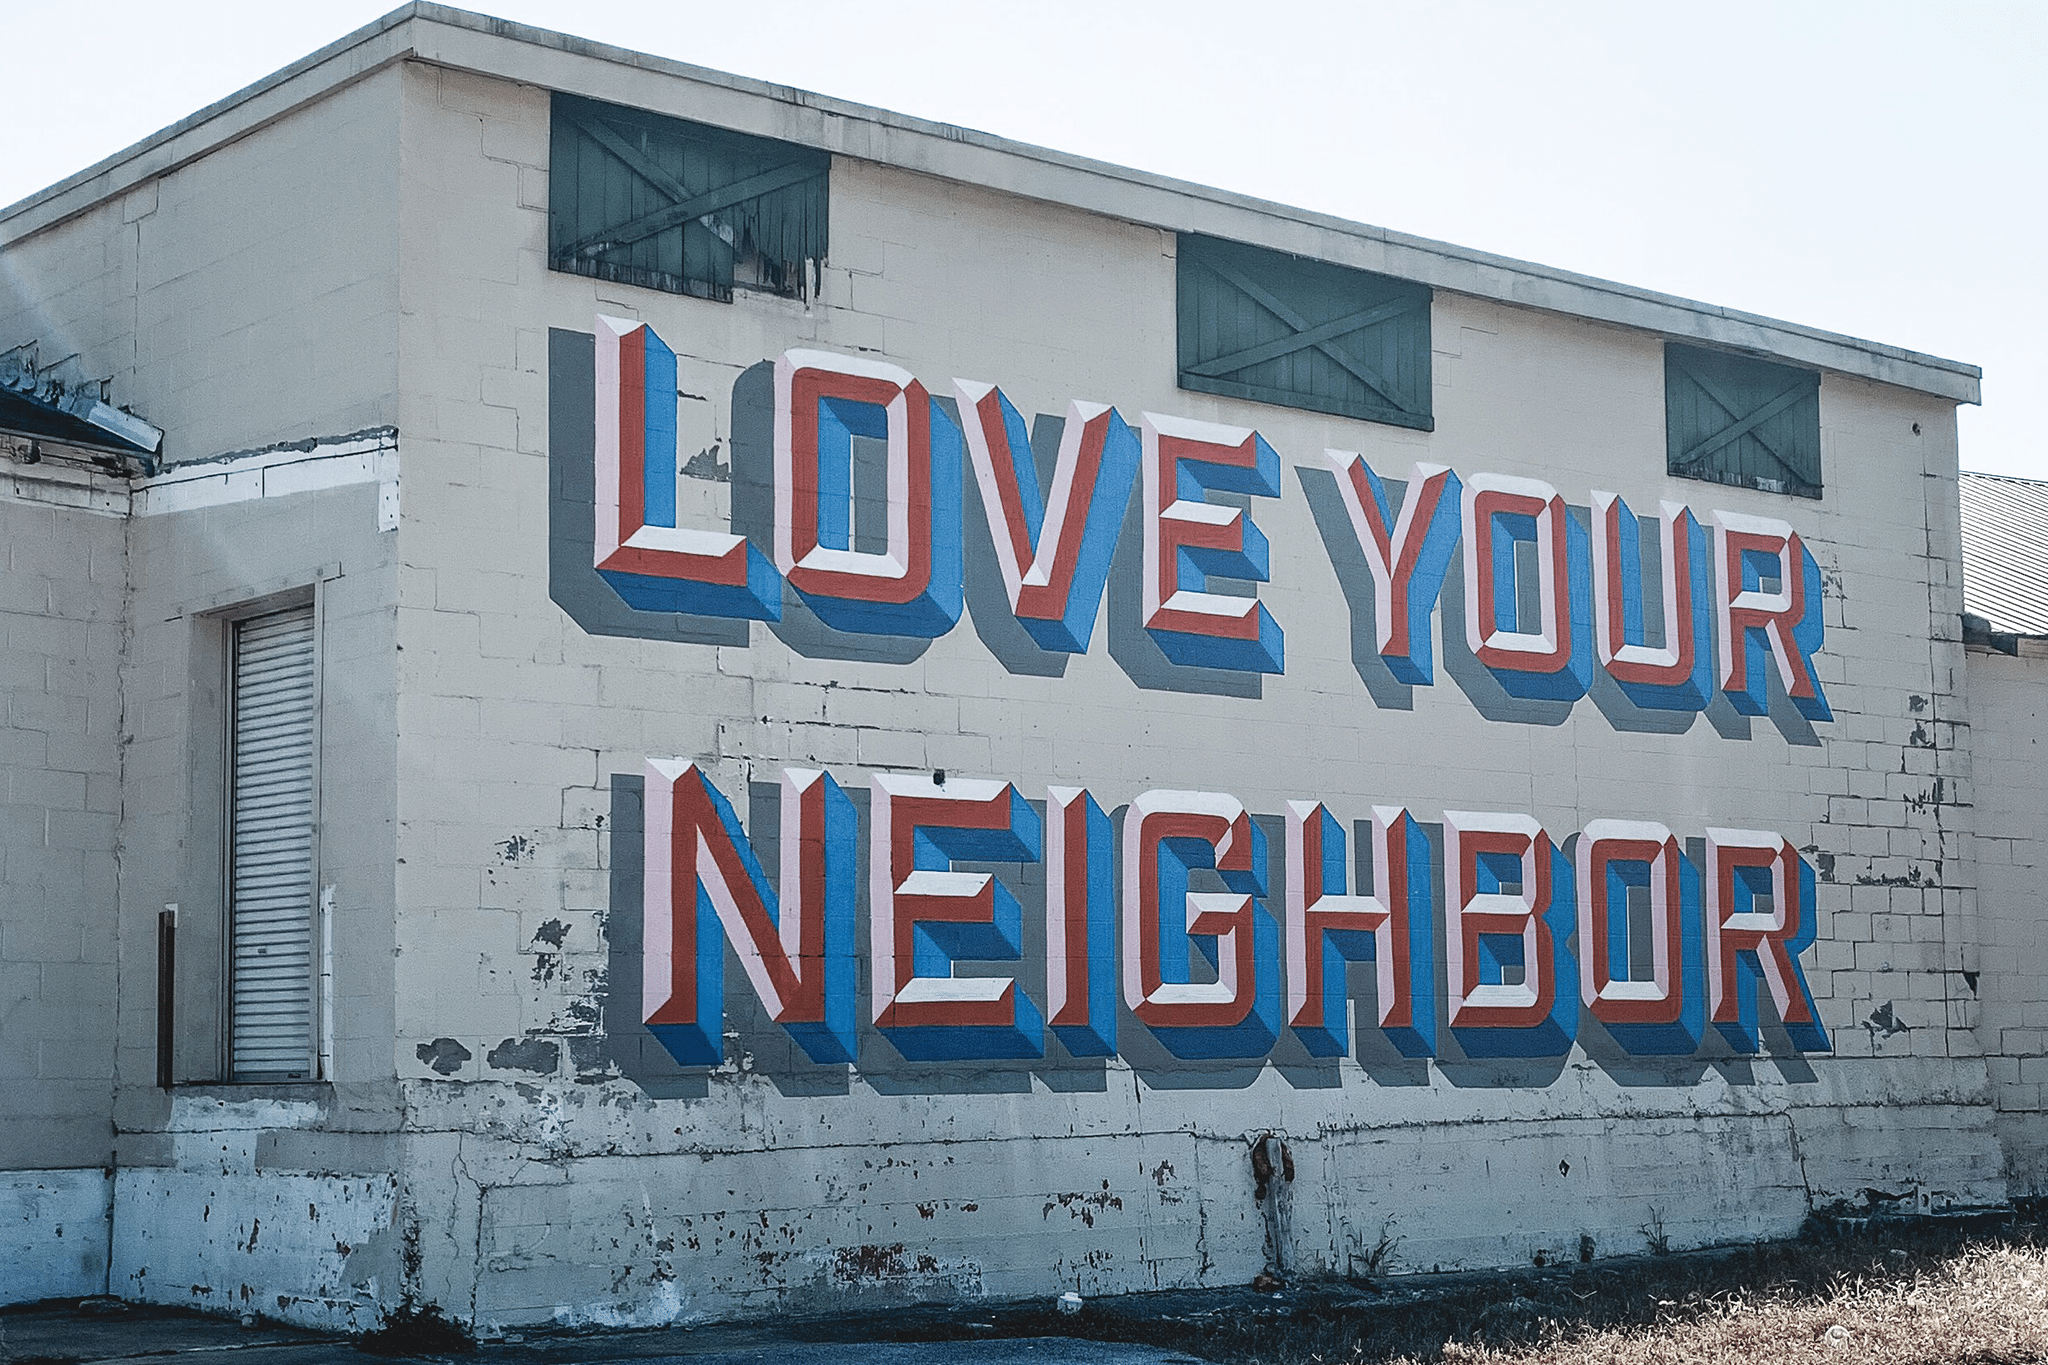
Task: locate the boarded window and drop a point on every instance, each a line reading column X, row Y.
column 664, row 204
column 272, row 714
column 1736, row 419
column 1303, row 333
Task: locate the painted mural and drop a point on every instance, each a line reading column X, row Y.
column 1479, row 934
column 1719, row 928
column 1745, row 582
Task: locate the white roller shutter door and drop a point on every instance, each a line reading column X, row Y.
column 270, row 848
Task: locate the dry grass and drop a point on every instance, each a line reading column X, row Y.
column 1985, row 1303
column 1912, row 1294
column 1901, row 1291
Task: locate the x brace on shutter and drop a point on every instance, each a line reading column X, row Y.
column 685, row 206
column 1745, row 425
column 1319, row 336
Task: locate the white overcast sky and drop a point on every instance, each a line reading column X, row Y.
column 1865, row 166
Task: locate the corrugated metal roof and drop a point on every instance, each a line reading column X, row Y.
column 2005, row 552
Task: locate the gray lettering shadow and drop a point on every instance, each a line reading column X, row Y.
column 625, row 1041
column 1474, row 1073
column 1728, row 722
column 1784, row 714
column 1623, row 713
column 753, row 515
column 1160, row 1068
column 573, row 582
column 1614, row 702
column 1592, row 1038
column 1302, row 1069
column 1495, row 1073
column 988, row 600
column 1792, row 1064
column 766, row 1048
column 1626, row 1068
column 1377, row 1057
column 1134, row 650
column 1779, row 709
column 889, row 1072
column 755, row 1043
column 1473, row 678
column 1333, row 522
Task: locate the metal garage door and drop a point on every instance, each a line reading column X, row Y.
column 270, row 848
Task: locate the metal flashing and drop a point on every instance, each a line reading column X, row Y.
column 54, row 403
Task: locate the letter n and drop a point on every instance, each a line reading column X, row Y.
column 704, row 886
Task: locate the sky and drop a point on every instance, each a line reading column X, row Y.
column 1867, row 167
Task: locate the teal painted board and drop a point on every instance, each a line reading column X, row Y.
column 1302, row 333
column 666, row 204
column 1735, row 419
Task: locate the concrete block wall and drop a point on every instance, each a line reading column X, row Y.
column 257, row 1199
column 241, row 299
column 602, row 1188
column 61, row 597
column 1901, row 949
column 239, row 1150
column 2008, row 722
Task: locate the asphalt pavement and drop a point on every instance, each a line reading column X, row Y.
column 106, row 1331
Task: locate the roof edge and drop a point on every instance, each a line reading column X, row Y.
column 448, row 36
column 140, row 152
column 2003, row 478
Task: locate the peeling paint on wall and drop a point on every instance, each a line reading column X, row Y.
column 444, row 1055
column 525, row 1054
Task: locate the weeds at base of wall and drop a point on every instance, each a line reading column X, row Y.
column 411, row 1330
column 1654, row 1235
column 1560, row 1312
column 1374, row 1263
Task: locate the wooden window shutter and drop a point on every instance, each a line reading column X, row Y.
column 1303, row 333
column 273, row 727
column 664, row 204
column 1739, row 420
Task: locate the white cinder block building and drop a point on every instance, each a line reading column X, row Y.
column 718, row 702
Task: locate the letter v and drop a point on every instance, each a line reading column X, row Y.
column 1054, row 553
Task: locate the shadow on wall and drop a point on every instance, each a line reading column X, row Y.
column 753, row 516
column 575, row 585
column 766, row 1048
column 988, row 605
column 755, row 1044
column 573, row 581
column 1480, row 685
